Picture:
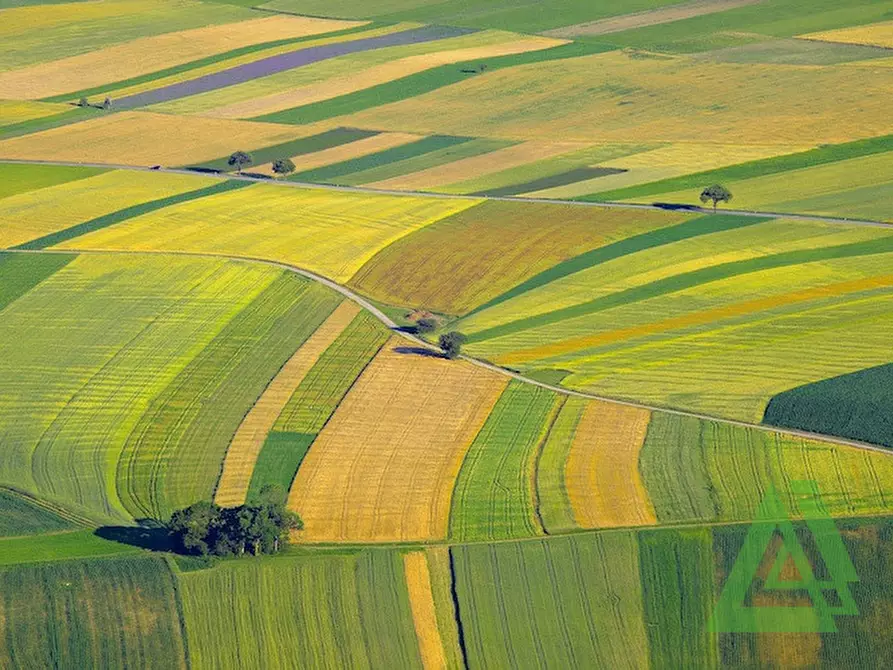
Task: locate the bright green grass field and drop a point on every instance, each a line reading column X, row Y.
column 332, row 611
column 494, row 497
column 554, row 504
column 573, row 601
column 90, row 614
column 15, row 178
column 115, row 364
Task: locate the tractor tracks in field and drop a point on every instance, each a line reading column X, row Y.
column 393, row 327
column 662, row 207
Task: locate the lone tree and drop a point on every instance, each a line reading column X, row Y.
column 83, row 102
column 283, row 166
column 239, row 159
column 259, row 527
column 717, row 193
column 107, row 104
column 451, row 343
column 426, row 325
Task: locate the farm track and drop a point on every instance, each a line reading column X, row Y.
column 387, row 321
column 447, row 196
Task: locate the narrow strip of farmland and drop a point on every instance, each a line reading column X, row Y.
column 282, row 62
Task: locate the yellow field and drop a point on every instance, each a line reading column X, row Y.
column 624, row 97
column 16, row 111
column 150, row 54
column 604, row 484
column 146, row 138
column 669, row 161
column 249, row 438
column 373, row 76
column 877, row 34
column 424, row 614
column 27, row 216
column 478, row 166
column 343, row 152
column 384, row 467
column 332, row 233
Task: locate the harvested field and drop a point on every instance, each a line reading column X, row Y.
column 36, row 213
column 465, row 276
column 344, row 152
column 424, row 613
column 245, row 448
column 292, row 225
column 476, row 166
column 44, row 33
column 494, row 497
column 652, row 17
column 664, row 99
column 384, row 466
column 376, row 75
column 327, row 611
column 126, row 615
column 144, row 138
column 324, row 386
column 150, row 54
column 877, row 34
column 280, row 63
column 602, row 476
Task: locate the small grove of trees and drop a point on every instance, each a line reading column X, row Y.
column 260, row 527
column 426, row 325
column 451, row 343
column 283, row 166
column 239, row 159
column 717, row 193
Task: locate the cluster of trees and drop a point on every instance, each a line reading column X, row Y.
column 106, row 104
column 259, row 527
column 281, row 166
column 451, row 343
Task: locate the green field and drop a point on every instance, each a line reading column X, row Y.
column 23, row 178
column 21, row 515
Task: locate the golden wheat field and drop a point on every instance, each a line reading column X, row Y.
column 249, row 438
column 876, row 34
column 384, row 466
column 424, row 613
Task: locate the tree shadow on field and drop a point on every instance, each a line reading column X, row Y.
column 419, row 351
column 148, row 535
column 674, row 207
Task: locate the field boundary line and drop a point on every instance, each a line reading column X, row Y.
column 387, row 321
column 670, row 207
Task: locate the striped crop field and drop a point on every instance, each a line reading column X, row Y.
column 20, row 178
column 327, row 611
column 776, row 291
column 42, row 211
column 333, row 234
column 22, row 515
column 248, row 441
column 494, row 497
column 384, row 466
column 571, row 601
column 368, row 72
column 435, row 268
column 145, row 139
column 855, row 188
column 127, row 614
column 877, row 34
column 696, row 470
column 175, row 453
column 424, row 609
column 676, row 98
column 149, row 54
column 43, row 33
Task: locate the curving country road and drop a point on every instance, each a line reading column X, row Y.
column 387, row 321
column 447, row 196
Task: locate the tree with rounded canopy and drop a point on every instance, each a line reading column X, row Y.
column 239, row 159
column 283, row 166
column 451, row 343
column 717, row 193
